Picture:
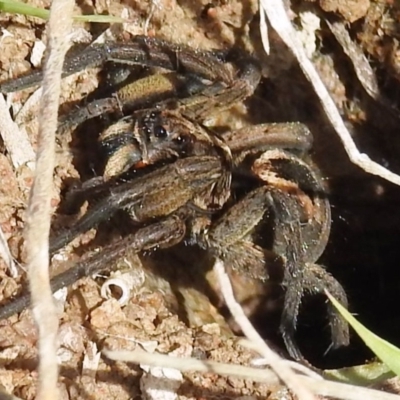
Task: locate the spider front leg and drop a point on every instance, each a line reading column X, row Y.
column 141, row 50
column 162, row 234
column 230, row 237
column 259, row 138
column 211, row 65
column 316, row 281
column 304, row 276
column 303, row 217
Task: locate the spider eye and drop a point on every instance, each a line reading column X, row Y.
column 160, row 132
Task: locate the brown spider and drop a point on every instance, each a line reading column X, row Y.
column 214, row 191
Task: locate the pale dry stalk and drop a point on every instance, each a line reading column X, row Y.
column 278, row 365
column 279, row 20
column 39, row 208
column 320, row 386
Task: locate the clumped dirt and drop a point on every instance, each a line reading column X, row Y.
column 172, row 313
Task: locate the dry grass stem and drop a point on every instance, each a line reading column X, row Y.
column 39, row 208
column 276, row 363
column 15, row 140
column 192, row 364
column 319, row 386
column 279, row 20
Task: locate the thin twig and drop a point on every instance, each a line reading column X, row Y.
column 39, row 209
column 319, row 386
column 193, row 364
column 276, row 363
column 277, row 16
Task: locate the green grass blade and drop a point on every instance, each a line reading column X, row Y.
column 17, row 7
column 362, row 375
column 385, row 351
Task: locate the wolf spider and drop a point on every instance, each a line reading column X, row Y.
column 179, row 180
